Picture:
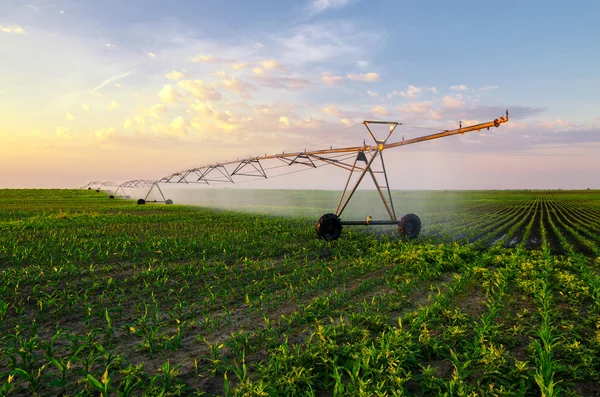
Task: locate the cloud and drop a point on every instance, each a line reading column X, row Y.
column 220, row 74
column 239, row 65
column 209, row 58
column 151, row 55
column 69, row 116
column 175, row 75
column 116, row 77
column 63, row 132
column 153, row 111
column 271, row 64
column 330, row 79
column 179, row 126
column 113, row 105
column 318, row 6
column 415, row 107
column 411, row 92
column 284, row 121
column 451, row 102
column 258, row 71
column 109, row 46
column 286, row 83
column 168, row 94
column 201, row 109
column 309, row 123
column 488, row 88
column 324, row 41
column 12, row 29
column 137, row 123
column 380, row 110
column 333, row 110
column 210, row 123
column 366, row 77
column 200, row 90
column 236, row 85
column 461, row 87
column 104, row 134
column 372, row 93
column 201, row 58
column 62, row 12
column 87, row 108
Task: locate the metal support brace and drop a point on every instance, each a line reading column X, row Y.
column 219, row 168
column 308, row 163
column 159, row 189
column 257, row 169
column 361, row 156
column 117, row 191
column 344, row 202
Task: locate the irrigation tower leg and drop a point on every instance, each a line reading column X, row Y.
column 387, row 202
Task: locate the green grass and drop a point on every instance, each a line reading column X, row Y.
column 500, row 296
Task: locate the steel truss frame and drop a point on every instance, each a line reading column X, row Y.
column 99, row 185
column 133, row 184
column 339, row 157
column 355, row 159
column 157, row 186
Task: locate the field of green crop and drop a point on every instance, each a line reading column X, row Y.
column 499, row 297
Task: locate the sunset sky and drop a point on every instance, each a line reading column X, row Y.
column 138, row 89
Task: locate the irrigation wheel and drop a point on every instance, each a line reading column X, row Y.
column 169, row 201
column 141, row 202
column 329, row 227
column 409, row 226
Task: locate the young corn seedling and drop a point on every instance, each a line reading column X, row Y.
column 7, row 387
column 215, row 359
column 544, row 347
column 103, row 385
column 33, row 377
column 63, row 369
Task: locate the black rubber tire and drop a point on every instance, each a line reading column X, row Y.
column 97, row 190
column 141, row 202
column 89, row 188
column 111, row 197
column 409, row 226
column 169, row 201
column 329, row 227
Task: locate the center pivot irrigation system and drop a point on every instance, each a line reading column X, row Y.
column 356, row 159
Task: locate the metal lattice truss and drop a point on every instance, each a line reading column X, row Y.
column 356, row 159
column 359, row 161
column 99, row 185
column 133, row 184
column 340, row 157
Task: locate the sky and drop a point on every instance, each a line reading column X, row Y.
column 139, row 89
